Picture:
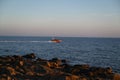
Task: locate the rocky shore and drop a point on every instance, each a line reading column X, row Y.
column 28, row 67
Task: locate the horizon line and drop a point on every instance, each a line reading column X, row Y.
column 56, row 36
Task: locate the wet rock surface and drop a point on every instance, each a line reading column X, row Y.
column 27, row 67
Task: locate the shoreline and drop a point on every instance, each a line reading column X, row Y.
column 28, row 67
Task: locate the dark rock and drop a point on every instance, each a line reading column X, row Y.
column 30, row 56
column 61, row 77
column 3, row 70
column 7, row 70
column 80, row 70
column 16, row 57
column 56, row 62
column 39, row 60
column 64, row 61
column 84, row 66
column 67, row 68
column 109, row 70
column 45, row 63
column 11, row 70
column 30, row 73
column 5, row 77
column 42, row 69
column 116, row 76
column 28, row 68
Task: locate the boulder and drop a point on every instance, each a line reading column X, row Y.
column 11, row 70
column 116, row 76
column 28, row 68
column 30, row 56
column 72, row 77
column 61, row 77
column 3, row 70
column 5, row 77
column 44, row 63
column 109, row 70
column 42, row 69
column 55, row 63
column 29, row 73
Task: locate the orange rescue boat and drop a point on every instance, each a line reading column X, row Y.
column 56, row 40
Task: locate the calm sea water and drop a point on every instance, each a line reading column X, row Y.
column 103, row 52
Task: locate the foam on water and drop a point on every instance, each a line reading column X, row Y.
column 6, row 41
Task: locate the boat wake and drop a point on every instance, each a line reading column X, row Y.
column 6, row 41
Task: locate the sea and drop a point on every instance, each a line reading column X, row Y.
column 99, row 52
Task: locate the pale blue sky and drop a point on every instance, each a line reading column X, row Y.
column 82, row 18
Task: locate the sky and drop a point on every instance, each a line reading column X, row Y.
column 66, row 18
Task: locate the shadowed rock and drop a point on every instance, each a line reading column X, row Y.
column 116, row 77
column 28, row 68
column 30, row 56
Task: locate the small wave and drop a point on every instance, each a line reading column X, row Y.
column 6, row 41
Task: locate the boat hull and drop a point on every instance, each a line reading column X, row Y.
column 56, row 40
